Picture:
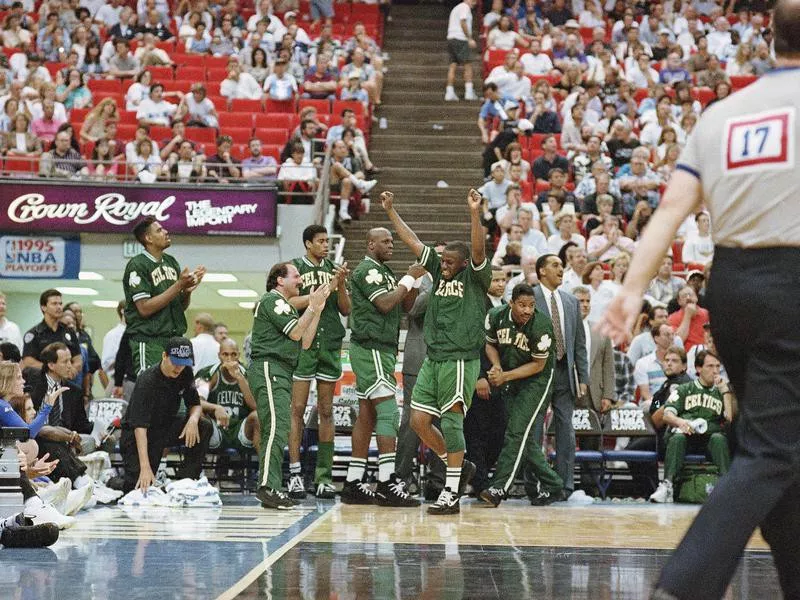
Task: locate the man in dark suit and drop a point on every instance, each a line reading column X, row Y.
column 602, row 385
column 571, row 375
column 485, row 423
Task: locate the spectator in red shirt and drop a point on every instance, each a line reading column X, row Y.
column 320, row 82
column 689, row 320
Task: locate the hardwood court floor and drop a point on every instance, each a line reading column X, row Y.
column 330, row 551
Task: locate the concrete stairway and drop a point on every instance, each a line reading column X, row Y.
column 412, row 154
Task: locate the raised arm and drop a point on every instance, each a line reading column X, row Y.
column 404, row 232
column 477, row 234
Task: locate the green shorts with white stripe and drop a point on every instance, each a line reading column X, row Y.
column 319, row 363
column 147, row 353
column 442, row 384
column 374, row 372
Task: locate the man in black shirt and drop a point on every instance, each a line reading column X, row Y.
column 646, row 474
column 50, row 330
column 150, row 422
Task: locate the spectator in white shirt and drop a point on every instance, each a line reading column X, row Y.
column 642, row 75
column 239, row 84
column 536, row 62
column 699, row 247
column 9, row 331
column 154, row 110
column 200, row 108
column 503, row 75
column 565, row 222
column 111, row 342
column 720, row 38
column 108, row 13
column 280, row 85
column 205, row 347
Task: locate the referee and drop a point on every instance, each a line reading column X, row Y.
column 741, row 162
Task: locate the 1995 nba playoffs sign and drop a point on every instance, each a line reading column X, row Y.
column 27, row 257
column 102, row 209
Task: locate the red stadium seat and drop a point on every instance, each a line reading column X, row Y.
column 276, row 120
column 703, row 94
column 20, row 164
column 126, row 131
column 354, row 105
column 235, row 119
column 250, row 106
column 189, row 60
column 220, row 102
column 216, row 75
column 78, row 114
column 161, row 73
column 239, row 151
column 740, row 81
column 202, row 135
column 279, row 106
column 216, row 62
column 128, row 117
column 196, row 73
column 109, row 86
column 184, row 85
column 677, row 251
column 273, row 136
column 240, row 135
column 159, row 132
column 323, row 106
column 273, row 150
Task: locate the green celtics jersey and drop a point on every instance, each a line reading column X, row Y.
column 370, row 328
column 330, row 330
column 695, row 401
column 146, row 277
column 456, row 309
column 518, row 345
column 227, row 393
column 273, row 322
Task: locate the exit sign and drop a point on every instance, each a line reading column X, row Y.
column 131, row 248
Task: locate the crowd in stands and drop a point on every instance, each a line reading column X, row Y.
column 186, row 92
column 587, row 106
column 586, row 109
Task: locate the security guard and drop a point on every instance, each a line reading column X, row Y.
column 49, row 331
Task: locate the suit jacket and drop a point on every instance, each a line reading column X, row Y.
column 73, row 412
column 414, row 350
column 574, row 337
column 601, row 371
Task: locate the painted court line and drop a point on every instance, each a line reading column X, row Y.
column 315, row 520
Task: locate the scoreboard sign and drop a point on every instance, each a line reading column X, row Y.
column 29, row 257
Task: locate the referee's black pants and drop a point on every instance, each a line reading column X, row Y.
column 157, row 440
column 754, row 299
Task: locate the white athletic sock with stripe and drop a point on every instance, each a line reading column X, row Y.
column 356, row 469
column 295, row 468
column 385, row 466
column 453, row 477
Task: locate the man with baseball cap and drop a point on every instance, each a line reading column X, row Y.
column 151, row 421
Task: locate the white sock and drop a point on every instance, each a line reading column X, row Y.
column 343, row 206
column 453, row 477
column 356, row 469
column 295, row 468
column 450, row 89
column 385, row 466
column 9, row 522
column 33, row 503
column 468, row 87
column 81, row 482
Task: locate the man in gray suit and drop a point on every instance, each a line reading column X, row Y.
column 571, row 375
column 413, row 355
column 602, row 385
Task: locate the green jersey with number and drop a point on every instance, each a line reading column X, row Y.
column 146, row 277
column 226, row 392
column 456, row 309
column 330, row 330
column 371, row 328
column 693, row 400
column 520, row 344
column 273, row 322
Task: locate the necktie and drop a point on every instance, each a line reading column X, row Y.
column 55, row 413
column 557, row 326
